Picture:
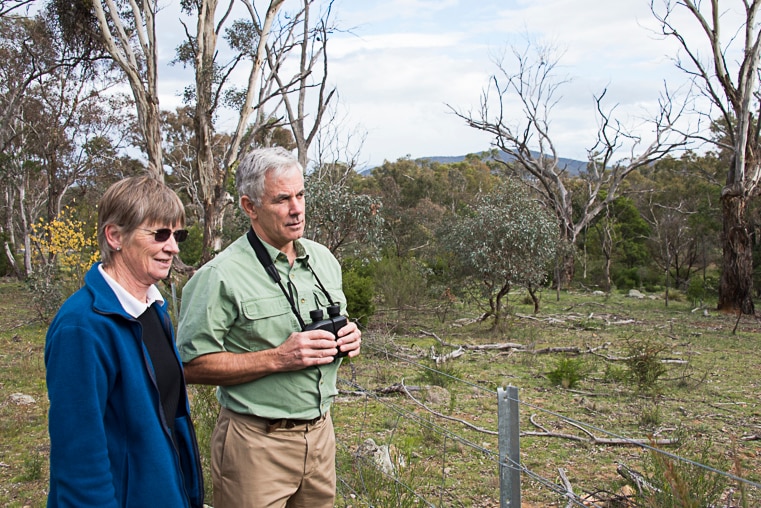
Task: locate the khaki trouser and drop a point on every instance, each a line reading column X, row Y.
column 255, row 464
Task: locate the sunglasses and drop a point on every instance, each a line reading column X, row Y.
column 163, row 234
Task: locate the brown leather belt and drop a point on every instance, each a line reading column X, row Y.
column 290, row 423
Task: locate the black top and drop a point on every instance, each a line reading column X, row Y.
column 166, row 368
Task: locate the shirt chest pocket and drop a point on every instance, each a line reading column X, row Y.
column 266, row 322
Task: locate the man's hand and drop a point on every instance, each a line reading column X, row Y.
column 350, row 339
column 299, row 351
column 306, row 349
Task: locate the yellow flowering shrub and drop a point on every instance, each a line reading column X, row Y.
column 68, row 244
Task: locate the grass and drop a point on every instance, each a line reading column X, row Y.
column 706, row 397
column 24, row 444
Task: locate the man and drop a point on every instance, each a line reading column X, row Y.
column 241, row 329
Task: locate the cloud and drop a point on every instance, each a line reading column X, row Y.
column 397, row 64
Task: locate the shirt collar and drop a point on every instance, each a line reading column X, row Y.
column 276, row 253
column 132, row 305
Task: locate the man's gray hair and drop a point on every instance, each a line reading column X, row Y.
column 249, row 177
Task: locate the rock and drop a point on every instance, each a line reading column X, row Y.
column 379, row 455
column 633, row 293
column 21, row 399
column 437, row 395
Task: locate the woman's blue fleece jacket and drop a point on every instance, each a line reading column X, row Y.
column 109, row 442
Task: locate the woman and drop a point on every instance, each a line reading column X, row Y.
column 119, row 423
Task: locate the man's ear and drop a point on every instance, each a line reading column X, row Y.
column 248, row 207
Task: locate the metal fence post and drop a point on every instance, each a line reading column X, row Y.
column 509, row 448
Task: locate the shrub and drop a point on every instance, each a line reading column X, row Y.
column 644, row 362
column 401, row 282
column 685, row 484
column 68, row 243
column 699, row 290
column 567, row 372
column 359, row 289
column 66, row 248
column 442, row 374
column 192, row 248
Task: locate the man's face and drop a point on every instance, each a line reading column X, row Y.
column 280, row 218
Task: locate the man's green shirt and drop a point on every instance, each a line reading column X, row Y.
column 231, row 304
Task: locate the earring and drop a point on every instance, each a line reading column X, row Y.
column 118, row 249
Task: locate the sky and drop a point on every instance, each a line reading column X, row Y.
column 399, row 65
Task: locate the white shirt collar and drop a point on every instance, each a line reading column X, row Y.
column 132, row 305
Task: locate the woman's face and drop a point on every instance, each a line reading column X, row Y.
column 146, row 260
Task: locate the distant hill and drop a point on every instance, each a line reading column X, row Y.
column 573, row 166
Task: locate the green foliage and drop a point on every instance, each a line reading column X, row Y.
column 699, row 290
column 341, row 219
column 205, row 410
column 629, row 278
column 631, row 232
column 439, row 374
column 650, row 414
column 359, row 289
column 682, row 484
column 46, row 290
column 567, row 372
column 644, row 362
column 615, row 374
column 363, row 480
column 401, row 282
column 192, row 248
column 33, row 468
column 419, row 196
column 505, row 239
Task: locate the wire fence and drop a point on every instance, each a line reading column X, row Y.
column 436, row 444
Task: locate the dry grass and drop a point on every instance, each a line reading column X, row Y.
column 710, row 403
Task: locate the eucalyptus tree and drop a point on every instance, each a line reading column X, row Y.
column 505, row 239
column 346, row 222
column 263, row 41
column 59, row 125
column 681, row 201
column 311, row 40
column 127, row 33
column 8, row 6
column 524, row 133
column 73, row 122
column 30, row 48
column 727, row 76
column 618, row 239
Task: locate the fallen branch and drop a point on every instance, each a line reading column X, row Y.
column 592, row 439
column 517, row 347
column 397, row 388
column 571, row 349
column 450, row 418
column 568, row 488
column 496, row 347
column 439, row 359
column 506, row 345
column 636, row 478
column 438, row 339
